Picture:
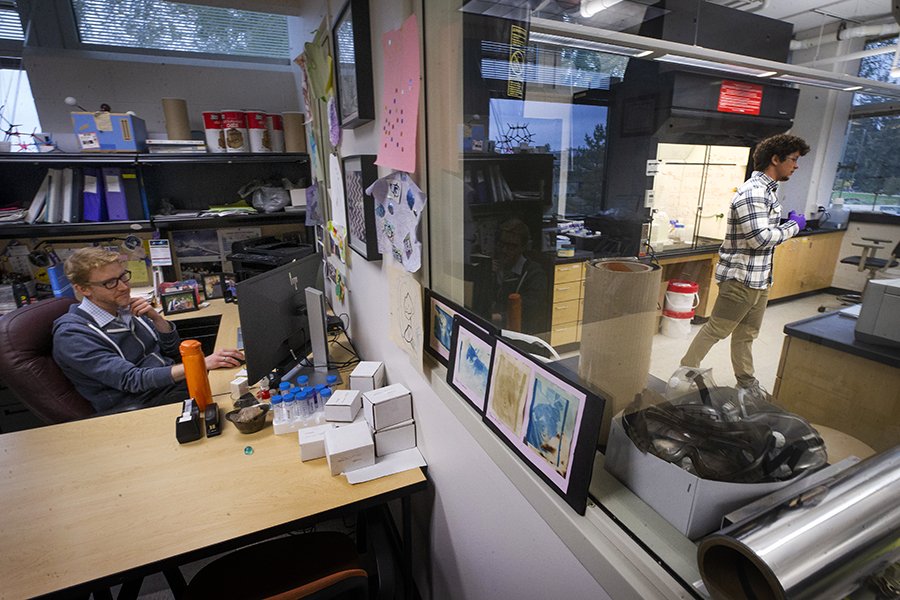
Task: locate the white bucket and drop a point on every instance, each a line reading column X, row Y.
column 681, row 296
column 676, row 324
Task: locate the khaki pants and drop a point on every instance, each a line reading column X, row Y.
column 739, row 313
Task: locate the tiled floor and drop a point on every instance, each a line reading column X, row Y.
column 667, row 352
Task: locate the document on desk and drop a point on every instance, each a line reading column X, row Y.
column 388, row 465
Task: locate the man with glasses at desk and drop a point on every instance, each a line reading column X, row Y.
column 116, row 349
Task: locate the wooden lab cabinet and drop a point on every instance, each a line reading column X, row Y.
column 804, row 264
column 568, row 304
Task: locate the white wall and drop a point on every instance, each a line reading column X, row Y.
column 476, row 535
column 821, row 120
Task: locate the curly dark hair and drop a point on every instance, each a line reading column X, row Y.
column 782, row 146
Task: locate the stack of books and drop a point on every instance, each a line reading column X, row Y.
column 176, row 146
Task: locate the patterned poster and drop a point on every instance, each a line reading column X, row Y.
column 399, row 113
column 398, row 210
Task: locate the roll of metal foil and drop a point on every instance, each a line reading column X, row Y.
column 822, row 543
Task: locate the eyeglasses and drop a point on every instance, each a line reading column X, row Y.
column 113, row 283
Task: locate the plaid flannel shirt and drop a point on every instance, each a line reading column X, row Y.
column 753, row 232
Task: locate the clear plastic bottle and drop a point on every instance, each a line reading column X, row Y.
column 277, row 409
column 302, row 381
column 287, row 403
column 331, row 381
column 326, row 396
column 320, row 404
column 284, row 388
column 301, row 407
column 310, row 398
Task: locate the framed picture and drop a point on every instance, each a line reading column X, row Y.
column 470, row 361
column 212, row 286
column 359, row 173
column 229, row 287
column 549, row 422
column 352, row 40
column 439, row 324
column 181, row 301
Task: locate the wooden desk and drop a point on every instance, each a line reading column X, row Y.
column 93, row 503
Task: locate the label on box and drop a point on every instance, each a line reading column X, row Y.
column 103, row 121
column 89, row 141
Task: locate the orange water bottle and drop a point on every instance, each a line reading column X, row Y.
column 195, row 372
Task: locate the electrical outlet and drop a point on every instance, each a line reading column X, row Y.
column 649, row 197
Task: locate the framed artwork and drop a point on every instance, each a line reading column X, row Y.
column 439, row 325
column 181, row 301
column 549, row 422
column 352, row 42
column 470, row 361
column 359, row 173
column 229, row 287
column 212, row 286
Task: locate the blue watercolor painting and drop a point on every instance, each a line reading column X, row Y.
column 472, row 366
column 551, row 423
column 443, row 327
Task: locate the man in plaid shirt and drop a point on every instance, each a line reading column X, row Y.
column 744, row 270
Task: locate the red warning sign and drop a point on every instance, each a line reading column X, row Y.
column 740, row 97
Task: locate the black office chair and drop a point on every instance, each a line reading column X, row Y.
column 867, row 261
column 313, row 566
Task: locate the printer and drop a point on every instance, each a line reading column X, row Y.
column 879, row 317
column 258, row 255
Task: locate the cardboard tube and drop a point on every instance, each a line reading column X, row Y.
column 178, row 125
column 294, row 132
column 514, row 312
column 617, row 331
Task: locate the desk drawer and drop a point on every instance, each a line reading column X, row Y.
column 565, row 335
column 568, row 273
column 568, row 292
column 565, row 312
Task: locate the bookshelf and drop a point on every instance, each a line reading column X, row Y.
column 190, row 182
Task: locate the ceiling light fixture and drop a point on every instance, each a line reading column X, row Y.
column 576, row 34
column 589, row 8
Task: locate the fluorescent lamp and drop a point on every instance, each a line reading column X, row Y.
column 768, row 74
column 589, row 8
column 559, row 40
column 852, row 88
column 708, row 64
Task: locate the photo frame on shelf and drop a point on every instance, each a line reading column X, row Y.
column 352, row 43
column 469, row 365
column 182, row 301
column 551, row 423
column 213, row 286
column 359, row 173
column 439, row 313
column 229, row 287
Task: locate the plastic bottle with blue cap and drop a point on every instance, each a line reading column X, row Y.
column 287, row 402
column 277, row 409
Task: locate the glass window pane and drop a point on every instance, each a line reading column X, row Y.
column 162, row 25
column 868, row 175
column 19, row 116
column 877, row 68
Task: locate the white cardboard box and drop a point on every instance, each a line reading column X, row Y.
column 349, row 448
column 387, row 406
column 343, row 406
column 395, row 438
column 692, row 505
column 312, row 441
column 367, row 376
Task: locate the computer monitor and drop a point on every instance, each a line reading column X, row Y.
column 274, row 323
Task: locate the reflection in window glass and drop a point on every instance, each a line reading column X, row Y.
column 877, row 68
column 868, row 175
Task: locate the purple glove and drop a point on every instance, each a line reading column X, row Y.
column 799, row 219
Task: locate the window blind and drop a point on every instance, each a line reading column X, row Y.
column 10, row 25
column 161, row 25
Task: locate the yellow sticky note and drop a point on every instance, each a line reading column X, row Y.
column 139, row 272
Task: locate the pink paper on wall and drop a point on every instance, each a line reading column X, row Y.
column 400, row 108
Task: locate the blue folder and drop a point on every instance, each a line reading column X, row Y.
column 94, row 208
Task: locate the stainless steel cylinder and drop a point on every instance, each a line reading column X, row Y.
column 821, row 543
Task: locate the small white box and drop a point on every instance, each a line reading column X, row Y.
column 298, row 197
column 349, row 448
column 387, row 406
column 312, row 442
column 395, row 438
column 367, row 376
column 343, row 406
column 239, row 387
column 692, row 505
